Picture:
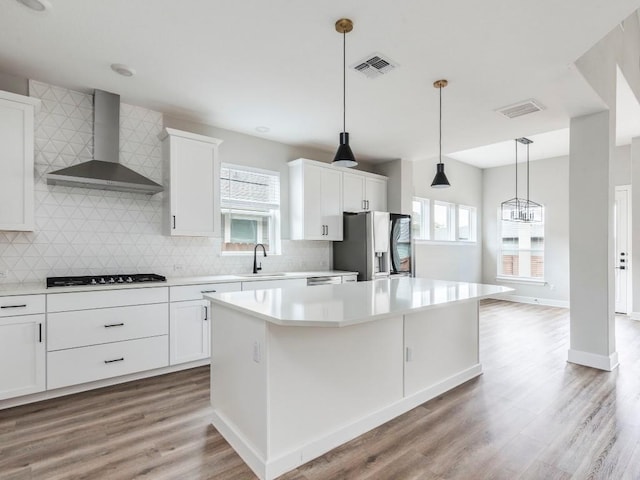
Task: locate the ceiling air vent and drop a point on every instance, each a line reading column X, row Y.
column 520, row 109
column 374, row 65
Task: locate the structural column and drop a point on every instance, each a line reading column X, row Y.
column 591, row 243
column 635, row 228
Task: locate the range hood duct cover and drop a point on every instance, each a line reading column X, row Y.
column 104, row 172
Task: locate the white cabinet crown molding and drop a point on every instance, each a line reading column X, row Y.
column 191, row 136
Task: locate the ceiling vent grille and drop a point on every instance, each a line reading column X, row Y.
column 520, row 109
column 374, row 65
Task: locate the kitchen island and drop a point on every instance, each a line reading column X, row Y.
column 298, row 371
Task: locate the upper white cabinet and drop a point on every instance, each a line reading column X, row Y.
column 362, row 191
column 17, row 118
column 315, row 201
column 191, row 170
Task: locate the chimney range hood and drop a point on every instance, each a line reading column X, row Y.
column 104, row 172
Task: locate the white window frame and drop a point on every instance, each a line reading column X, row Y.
column 473, row 224
column 451, row 221
column 425, row 223
column 526, row 279
column 251, row 211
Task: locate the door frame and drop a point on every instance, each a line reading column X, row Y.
column 628, row 189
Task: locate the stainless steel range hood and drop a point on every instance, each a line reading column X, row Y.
column 104, row 172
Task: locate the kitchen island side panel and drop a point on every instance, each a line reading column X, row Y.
column 239, row 378
column 323, row 379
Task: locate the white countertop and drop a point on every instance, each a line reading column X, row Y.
column 41, row 287
column 351, row 303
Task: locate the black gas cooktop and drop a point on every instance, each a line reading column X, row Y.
column 104, row 280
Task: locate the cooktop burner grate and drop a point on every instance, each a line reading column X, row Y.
column 104, row 280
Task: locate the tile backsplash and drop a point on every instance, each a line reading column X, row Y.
column 83, row 231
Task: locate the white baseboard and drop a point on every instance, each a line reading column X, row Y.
column 60, row 392
column 550, row 302
column 593, row 360
column 272, row 468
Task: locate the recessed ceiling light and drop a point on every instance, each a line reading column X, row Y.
column 123, row 70
column 263, row 129
column 37, row 5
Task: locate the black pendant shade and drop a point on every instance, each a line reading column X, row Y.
column 440, row 180
column 344, row 156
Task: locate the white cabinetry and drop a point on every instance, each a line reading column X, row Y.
column 315, row 201
column 363, row 191
column 191, row 171
column 22, row 345
column 104, row 334
column 190, row 319
column 17, row 115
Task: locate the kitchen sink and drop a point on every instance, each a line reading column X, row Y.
column 267, row 274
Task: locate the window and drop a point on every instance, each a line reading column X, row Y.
column 443, row 221
column 420, row 219
column 466, row 223
column 250, row 207
column 521, row 250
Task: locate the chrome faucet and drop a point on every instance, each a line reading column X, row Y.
column 257, row 268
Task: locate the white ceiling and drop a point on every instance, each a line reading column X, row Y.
column 556, row 143
column 250, row 63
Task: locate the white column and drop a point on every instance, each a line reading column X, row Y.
column 591, row 245
column 635, row 228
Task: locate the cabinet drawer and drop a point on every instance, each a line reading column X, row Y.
column 93, row 327
column 194, row 292
column 62, row 302
column 87, row 364
column 349, row 278
column 21, row 305
column 266, row 284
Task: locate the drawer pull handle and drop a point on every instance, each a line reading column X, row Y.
column 208, row 291
column 39, row 333
column 14, row 306
column 206, row 313
column 114, row 360
column 114, row 325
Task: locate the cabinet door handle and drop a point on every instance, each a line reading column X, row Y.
column 174, row 222
column 14, row 306
column 39, row 333
column 206, row 313
column 109, row 325
column 327, row 229
column 115, row 360
column 208, row 291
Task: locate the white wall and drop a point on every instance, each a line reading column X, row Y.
column 549, row 185
column 460, row 262
column 83, row 231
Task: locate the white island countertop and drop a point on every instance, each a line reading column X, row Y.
column 352, row 303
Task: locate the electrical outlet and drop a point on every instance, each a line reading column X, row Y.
column 4, row 274
column 177, row 268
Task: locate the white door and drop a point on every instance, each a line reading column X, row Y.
column 622, row 260
column 332, row 204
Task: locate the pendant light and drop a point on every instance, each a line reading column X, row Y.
column 440, row 180
column 521, row 209
column 344, row 156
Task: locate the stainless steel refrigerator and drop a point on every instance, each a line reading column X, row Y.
column 371, row 241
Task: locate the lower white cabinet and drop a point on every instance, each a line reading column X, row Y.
column 96, row 362
column 22, row 355
column 190, row 329
column 189, row 321
column 128, row 333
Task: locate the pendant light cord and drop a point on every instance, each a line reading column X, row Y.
column 516, row 142
column 344, row 81
column 440, row 139
column 527, row 175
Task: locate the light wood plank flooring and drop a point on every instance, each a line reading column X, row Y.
column 531, row 415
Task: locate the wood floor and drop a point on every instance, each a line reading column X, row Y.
column 531, row 415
